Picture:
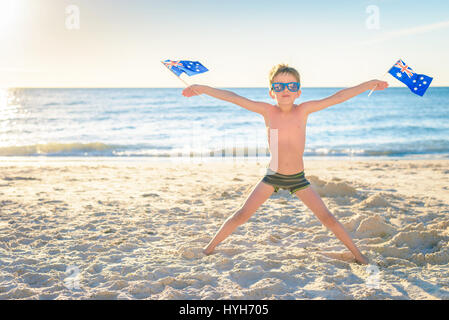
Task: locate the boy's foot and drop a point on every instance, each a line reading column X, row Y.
column 362, row 259
column 207, row 251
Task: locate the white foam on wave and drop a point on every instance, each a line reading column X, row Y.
column 54, row 148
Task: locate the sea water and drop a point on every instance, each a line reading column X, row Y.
column 155, row 122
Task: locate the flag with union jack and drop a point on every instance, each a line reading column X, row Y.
column 189, row 67
column 417, row 83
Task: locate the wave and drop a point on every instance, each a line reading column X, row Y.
column 56, row 149
column 99, row 149
column 70, row 103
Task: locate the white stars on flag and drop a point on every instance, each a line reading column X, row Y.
column 420, row 84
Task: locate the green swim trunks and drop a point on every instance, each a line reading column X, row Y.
column 293, row 182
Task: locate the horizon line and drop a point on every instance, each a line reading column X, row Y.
column 330, row 87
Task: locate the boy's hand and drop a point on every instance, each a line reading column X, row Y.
column 192, row 90
column 379, row 85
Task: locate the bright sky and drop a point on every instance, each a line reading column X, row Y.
column 120, row 43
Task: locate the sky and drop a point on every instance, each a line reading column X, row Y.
column 104, row 43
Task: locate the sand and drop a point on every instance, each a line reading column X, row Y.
column 104, row 229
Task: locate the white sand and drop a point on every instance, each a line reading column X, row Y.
column 135, row 230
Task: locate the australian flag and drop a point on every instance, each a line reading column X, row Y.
column 417, row 83
column 189, row 67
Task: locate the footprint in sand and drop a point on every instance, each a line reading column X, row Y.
column 19, row 178
column 226, row 195
column 230, row 251
column 265, row 288
column 146, row 195
column 191, row 252
column 343, row 256
column 376, row 200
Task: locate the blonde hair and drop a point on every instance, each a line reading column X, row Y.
column 282, row 68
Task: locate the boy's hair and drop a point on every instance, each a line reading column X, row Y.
column 282, row 68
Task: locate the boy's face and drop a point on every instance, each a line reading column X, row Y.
column 285, row 96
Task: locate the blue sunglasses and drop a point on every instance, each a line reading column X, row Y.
column 280, row 86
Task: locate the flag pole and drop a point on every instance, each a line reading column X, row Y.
column 376, row 84
column 187, row 85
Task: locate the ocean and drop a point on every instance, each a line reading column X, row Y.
column 154, row 122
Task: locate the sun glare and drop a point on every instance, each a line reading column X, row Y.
column 3, row 98
column 8, row 14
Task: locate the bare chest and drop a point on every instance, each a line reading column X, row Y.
column 292, row 122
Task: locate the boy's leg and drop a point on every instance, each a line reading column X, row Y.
column 313, row 201
column 260, row 193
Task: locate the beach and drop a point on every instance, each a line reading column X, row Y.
column 117, row 229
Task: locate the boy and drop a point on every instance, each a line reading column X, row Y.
column 287, row 127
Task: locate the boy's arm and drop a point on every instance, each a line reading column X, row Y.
column 255, row 106
column 343, row 95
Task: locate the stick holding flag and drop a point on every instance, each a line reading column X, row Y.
column 376, row 85
column 188, row 67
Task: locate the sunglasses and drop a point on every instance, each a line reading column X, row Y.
column 280, row 86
